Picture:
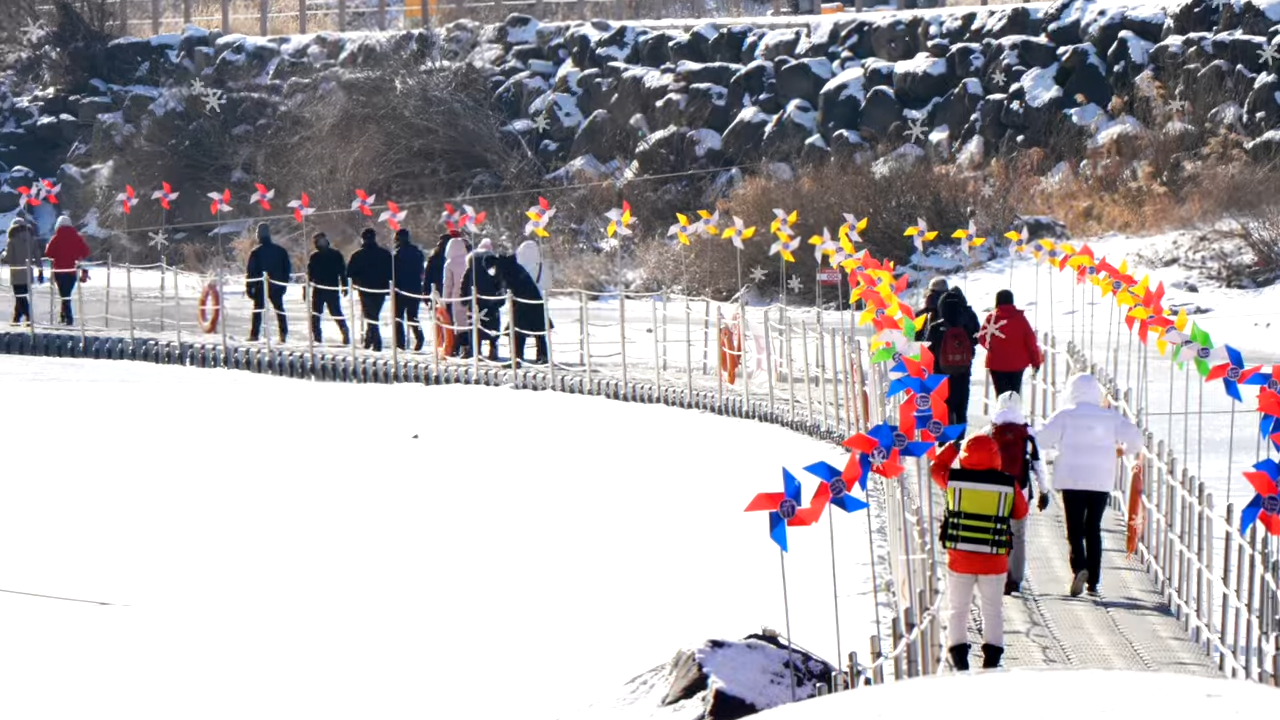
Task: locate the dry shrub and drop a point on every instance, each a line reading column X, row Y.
column 1261, row 235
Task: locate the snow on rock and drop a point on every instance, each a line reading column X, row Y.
column 849, row 83
column 705, row 141
column 1041, row 86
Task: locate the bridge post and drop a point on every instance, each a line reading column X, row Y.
column 1227, row 547
column 1241, row 610
column 897, row 640
column 1206, row 575
column 877, row 673
column 657, row 348
column 768, row 359
column 1251, row 621
column 913, row 650
column 1201, row 613
column 622, row 330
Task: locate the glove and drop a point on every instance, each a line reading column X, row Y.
column 40, row 279
column 345, row 291
column 1044, row 501
column 84, row 274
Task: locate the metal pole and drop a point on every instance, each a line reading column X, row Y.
column 808, row 384
column 395, row 325
column 791, row 380
column 177, row 311
column 511, row 335
column 657, row 351
column 622, row 335
column 106, row 312
column 475, row 314
column 546, row 315
column 688, row 346
column 786, row 609
column 586, row 333
column 222, row 319
column 768, row 359
column 720, row 368
column 835, row 594
column 706, row 336
column 1228, row 538
column 313, row 317
column 128, row 284
column 84, row 339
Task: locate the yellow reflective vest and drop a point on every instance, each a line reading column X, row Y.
column 979, row 511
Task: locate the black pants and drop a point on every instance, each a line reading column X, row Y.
column 371, row 305
column 958, row 399
column 1084, row 509
column 1007, row 382
column 322, row 300
column 66, row 282
column 406, row 309
column 276, row 295
column 539, row 342
column 21, row 303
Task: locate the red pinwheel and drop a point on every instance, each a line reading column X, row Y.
column 1269, row 407
column 1231, row 373
column 165, row 195
column 1265, row 506
column 925, row 411
column 784, row 509
column 48, row 191
column 28, row 197
column 878, row 450
column 392, row 216
column 220, row 200
column 127, row 199
column 470, row 218
column 364, row 203
column 833, row 490
column 301, row 208
column 1116, row 281
column 262, row 196
column 907, row 367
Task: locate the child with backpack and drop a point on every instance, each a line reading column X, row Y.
column 952, row 340
column 1019, row 457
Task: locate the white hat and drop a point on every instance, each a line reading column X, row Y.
column 63, row 221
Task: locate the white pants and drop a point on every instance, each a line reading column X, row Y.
column 990, row 599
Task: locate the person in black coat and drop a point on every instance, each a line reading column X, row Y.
column 937, row 287
column 530, row 316
column 481, row 278
column 267, row 278
column 435, row 269
column 954, row 312
column 327, row 273
column 408, row 261
column 370, row 270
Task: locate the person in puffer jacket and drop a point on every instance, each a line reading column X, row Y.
column 530, row 258
column 20, row 254
column 66, row 249
column 455, row 271
column 1020, row 457
column 982, row 501
column 1088, row 439
column 1011, row 345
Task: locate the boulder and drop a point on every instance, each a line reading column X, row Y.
column 787, row 132
column 991, row 125
column 661, row 152
column 1262, row 108
column 744, row 137
column 518, row 30
column 518, row 93
column 716, row 73
column 709, row 107
column 965, row 60
column 840, row 102
column 754, row 79
column 880, row 112
column 1265, row 148
column 703, row 148
column 958, row 107
column 919, row 81
column 1081, row 75
column 600, row 138
column 562, row 114
column 728, row 44
column 803, row 79
column 893, row 40
column 655, row 49
column 815, row 150
column 778, row 43
column 617, row 46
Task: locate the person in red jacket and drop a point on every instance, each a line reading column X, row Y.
column 982, row 502
column 1011, row 345
column 65, row 251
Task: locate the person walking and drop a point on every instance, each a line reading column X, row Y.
column 327, row 273
column 529, row 316
column 952, row 340
column 65, row 251
column 482, row 282
column 1019, row 457
column 937, row 287
column 459, row 307
column 370, row 271
column 409, row 262
column 529, row 255
column 435, row 270
column 1011, row 345
column 982, row 501
column 1087, row 440
column 21, row 252
column 267, row 278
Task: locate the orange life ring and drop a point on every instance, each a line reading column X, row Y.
column 730, row 346
column 444, row 331
column 1137, row 517
column 209, row 317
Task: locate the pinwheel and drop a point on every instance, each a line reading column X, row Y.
column 262, row 196
column 392, row 216
column 823, row 245
column 682, row 229
column 127, row 199
column 48, row 191
column 784, row 509
column 1117, row 279
column 301, row 208
column 1205, row 352
column 1083, row 263
column 833, row 490
column 539, row 215
column 1269, row 408
column 28, row 197
column 879, row 450
column 1232, row 373
column 364, row 203
column 1264, row 508
column 619, row 219
column 851, row 231
column 738, row 232
column 969, row 239
column 1177, row 325
column 709, row 223
column 784, row 246
column 920, row 234
column 220, row 202
column 470, row 219
column 783, row 222
column 165, row 195
column 1017, row 242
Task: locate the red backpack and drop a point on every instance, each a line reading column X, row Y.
column 1013, row 441
column 956, row 355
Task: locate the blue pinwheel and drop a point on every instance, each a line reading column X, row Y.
column 925, row 411
column 785, row 509
column 878, row 451
column 1231, row 373
column 833, row 490
column 1265, row 506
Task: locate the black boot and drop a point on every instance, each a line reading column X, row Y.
column 375, row 338
column 346, row 334
column 991, row 656
column 959, row 657
column 419, row 339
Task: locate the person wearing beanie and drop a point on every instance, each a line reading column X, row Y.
column 952, row 338
column 1011, row 345
column 267, row 277
column 370, row 271
column 66, row 250
column 408, row 269
column 327, row 275
column 982, row 503
column 937, row 287
column 20, row 254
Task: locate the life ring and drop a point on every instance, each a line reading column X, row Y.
column 1137, row 518
column 730, row 347
column 209, row 316
column 444, row 331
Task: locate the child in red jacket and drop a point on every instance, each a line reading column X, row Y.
column 982, row 502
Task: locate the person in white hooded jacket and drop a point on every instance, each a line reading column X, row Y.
column 1088, row 440
column 455, row 270
column 1020, row 457
column 530, row 258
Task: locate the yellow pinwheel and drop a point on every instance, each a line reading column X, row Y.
column 682, row 229
column 784, row 246
column 738, row 232
column 920, row 234
column 852, row 228
column 619, row 220
column 709, row 222
column 783, row 222
column 1179, row 324
column 823, row 245
column 969, row 239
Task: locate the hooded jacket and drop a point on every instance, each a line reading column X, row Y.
column 455, row 269
column 1010, row 342
column 953, row 312
column 981, row 455
column 273, row 261
column 409, row 263
column 21, row 253
column 66, row 248
column 1086, row 436
column 327, row 269
column 435, row 269
column 1009, row 412
column 370, row 267
column 530, row 258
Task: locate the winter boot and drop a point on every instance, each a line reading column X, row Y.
column 419, row 338
column 346, row 334
column 991, row 656
column 375, row 338
column 959, row 657
column 316, row 335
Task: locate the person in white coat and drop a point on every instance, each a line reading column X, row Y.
column 530, row 258
column 1020, row 457
column 1088, row 440
column 455, row 270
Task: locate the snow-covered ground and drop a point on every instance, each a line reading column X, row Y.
column 282, row 549
column 1048, row 694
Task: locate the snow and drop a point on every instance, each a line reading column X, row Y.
column 1040, row 85
column 330, row 566
column 973, row 86
column 921, row 63
column 802, row 113
column 705, row 141
column 853, row 82
column 1139, row 49
column 524, row 33
column 1128, row 694
column 565, row 106
column 1270, row 8
column 819, row 66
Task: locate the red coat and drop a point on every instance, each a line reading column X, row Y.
column 981, row 455
column 1010, row 342
column 66, row 249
